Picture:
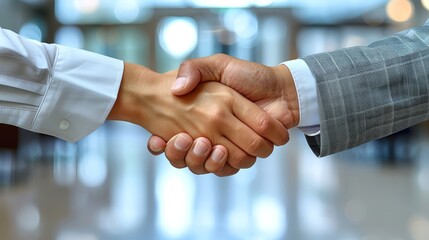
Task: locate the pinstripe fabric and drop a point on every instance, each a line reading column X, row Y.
column 365, row 93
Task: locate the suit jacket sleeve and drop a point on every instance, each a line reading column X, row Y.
column 366, row 93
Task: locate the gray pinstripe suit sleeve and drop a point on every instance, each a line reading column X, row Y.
column 365, row 93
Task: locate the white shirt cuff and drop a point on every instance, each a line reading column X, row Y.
column 305, row 83
column 80, row 95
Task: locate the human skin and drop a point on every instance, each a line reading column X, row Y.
column 215, row 112
column 271, row 88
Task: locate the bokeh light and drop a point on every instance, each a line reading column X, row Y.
column 66, row 12
column 175, row 193
column 178, row 36
column 269, row 215
column 425, row 4
column 400, row 10
column 70, row 36
column 32, row 31
column 28, row 218
column 127, row 11
column 243, row 22
column 86, row 6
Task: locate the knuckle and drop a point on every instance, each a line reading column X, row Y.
column 236, row 159
column 264, row 123
column 257, row 145
column 227, row 96
column 217, row 114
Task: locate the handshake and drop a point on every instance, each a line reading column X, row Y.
column 218, row 114
column 212, row 115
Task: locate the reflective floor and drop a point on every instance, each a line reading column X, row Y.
column 108, row 186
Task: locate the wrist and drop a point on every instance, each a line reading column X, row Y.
column 289, row 93
column 128, row 94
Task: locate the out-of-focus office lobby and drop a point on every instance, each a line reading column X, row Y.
column 108, row 186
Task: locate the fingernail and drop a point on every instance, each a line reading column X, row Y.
column 200, row 148
column 155, row 147
column 217, row 155
column 182, row 143
column 179, row 83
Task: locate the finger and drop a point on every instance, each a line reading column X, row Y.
column 194, row 71
column 216, row 161
column 245, row 138
column 197, row 156
column 237, row 158
column 260, row 121
column 177, row 148
column 156, row 145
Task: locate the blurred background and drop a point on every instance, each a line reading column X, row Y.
column 107, row 186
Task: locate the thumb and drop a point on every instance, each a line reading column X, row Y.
column 192, row 72
column 156, row 145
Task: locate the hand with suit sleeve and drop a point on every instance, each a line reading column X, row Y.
column 271, row 88
column 363, row 93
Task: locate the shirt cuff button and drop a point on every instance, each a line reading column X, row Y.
column 64, row 125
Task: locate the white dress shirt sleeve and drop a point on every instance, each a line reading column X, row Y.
column 55, row 90
column 305, row 83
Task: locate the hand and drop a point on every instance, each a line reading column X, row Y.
column 212, row 110
column 271, row 88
